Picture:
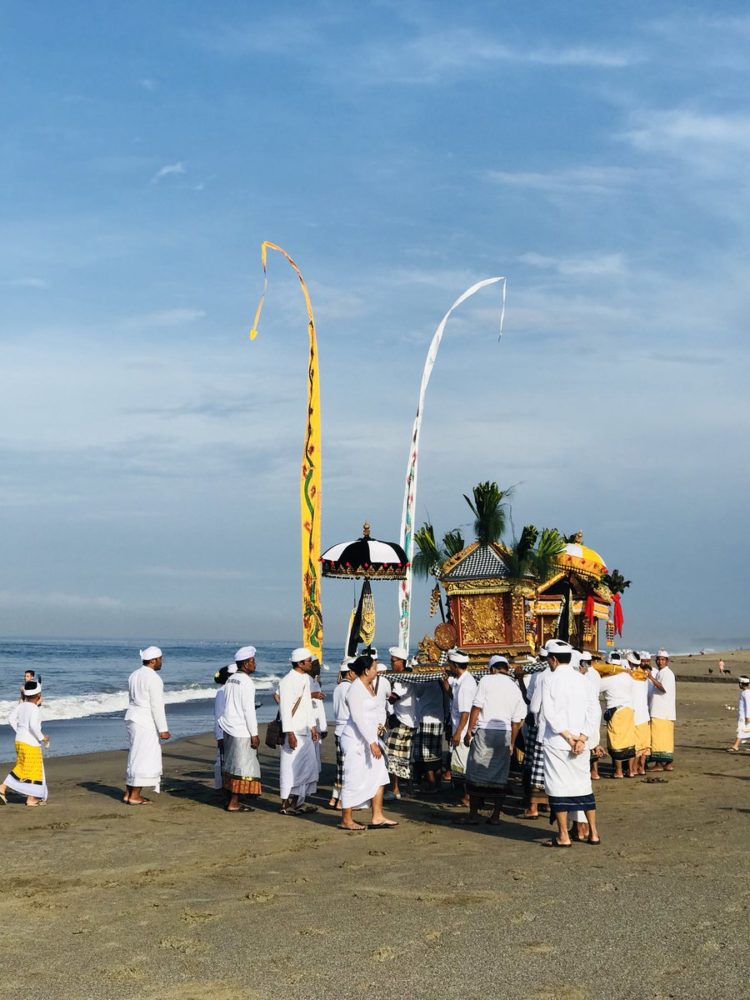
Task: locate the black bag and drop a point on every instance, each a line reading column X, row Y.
column 274, row 733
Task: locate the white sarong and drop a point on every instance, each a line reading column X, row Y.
column 298, row 769
column 144, row 757
column 363, row 773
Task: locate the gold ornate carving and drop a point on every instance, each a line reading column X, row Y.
column 482, row 620
column 428, row 651
column 518, row 612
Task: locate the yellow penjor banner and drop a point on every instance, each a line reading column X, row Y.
column 311, row 476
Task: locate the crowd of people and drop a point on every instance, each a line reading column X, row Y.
column 400, row 731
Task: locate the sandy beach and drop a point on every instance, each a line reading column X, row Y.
column 180, row 899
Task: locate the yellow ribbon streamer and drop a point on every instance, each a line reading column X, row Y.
column 311, row 473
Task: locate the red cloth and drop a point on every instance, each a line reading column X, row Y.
column 589, row 609
column 618, row 615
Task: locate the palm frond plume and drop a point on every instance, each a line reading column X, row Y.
column 490, row 509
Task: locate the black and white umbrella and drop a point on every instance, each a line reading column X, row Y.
column 365, row 557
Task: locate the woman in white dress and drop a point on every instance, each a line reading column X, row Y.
column 365, row 773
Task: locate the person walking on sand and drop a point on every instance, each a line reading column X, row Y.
column 404, row 724
column 743, row 715
column 662, row 700
column 146, row 723
column 27, row 775
column 496, row 715
column 298, row 765
column 239, row 725
column 220, row 677
column 642, row 715
column 365, row 772
column 568, row 721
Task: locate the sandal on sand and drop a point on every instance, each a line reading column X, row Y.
column 554, row 843
column 388, row 825
column 241, row 808
column 351, row 829
column 306, row 810
column 729, row 750
column 594, row 843
column 137, row 802
column 527, row 815
column 289, row 812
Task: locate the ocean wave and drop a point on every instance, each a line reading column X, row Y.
column 103, row 703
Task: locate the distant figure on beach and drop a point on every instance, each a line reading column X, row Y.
column 146, row 723
column 662, row 699
column 29, row 677
column 239, row 724
column 722, row 667
column 27, row 776
column 743, row 715
column 298, row 764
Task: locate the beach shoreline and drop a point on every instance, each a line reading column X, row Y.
column 180, row 899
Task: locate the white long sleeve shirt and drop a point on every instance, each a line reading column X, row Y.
column 218, row 712
column 405, row 708
column 499, row 701
column 567, row 707
column 640, row 700
column 463, row 690
column 238, row 717
column 294, row 687
column 617, row 690
column 146, row 693
column 26, row 720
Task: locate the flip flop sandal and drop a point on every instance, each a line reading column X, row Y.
column 594, row 843
column 555, row 843
column 242, row 808
column 351, row 829
column 381, row 826
column 137, row 802
column 306, row 810
column 289, row 812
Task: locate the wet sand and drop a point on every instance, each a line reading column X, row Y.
column 181, row 900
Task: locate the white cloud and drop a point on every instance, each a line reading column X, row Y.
column 597, row 266
column 165, row 318
column 16, row 599
column 586, row 180
column 28, row 282
column 711, row 142
column 169, row 170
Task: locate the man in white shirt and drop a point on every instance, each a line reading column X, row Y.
column 619, row 714
column 146, row 723
column 462, row 692
column 239, row 724
column 662, row 700
column 496, row 715
column 568, row 722
column 298, row 765
column 319, row 710
column 404, row 721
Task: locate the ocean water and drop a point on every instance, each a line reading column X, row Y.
column 85, row 687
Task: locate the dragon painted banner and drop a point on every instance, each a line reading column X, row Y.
column 311, row 474
column 410, row 491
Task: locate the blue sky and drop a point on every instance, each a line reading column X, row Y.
column 595, row 154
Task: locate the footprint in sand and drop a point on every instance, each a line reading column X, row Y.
column 540, row 948
column 197, row 916
column 384, row 954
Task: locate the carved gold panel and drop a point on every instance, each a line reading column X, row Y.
column 482, row 620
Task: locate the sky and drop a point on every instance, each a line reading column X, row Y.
column 595, row 155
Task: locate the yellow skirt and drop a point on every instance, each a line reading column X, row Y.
column 621, row 734
column 642, row 737
column 27, row 776
column 662, row 741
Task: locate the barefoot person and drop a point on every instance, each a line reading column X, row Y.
column 298, row 764
column 496, row 715
column 662, row 698
column 568, row 721
column 146, row 723
column 743, row 715
column 27, row 776
column 365, row 773
column 239, row 725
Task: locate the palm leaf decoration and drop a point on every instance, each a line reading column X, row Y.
column 533, row 554
column 616, row 582
column 453, row 543
column 428, row 558
column 551, row 543
column 490, row 508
